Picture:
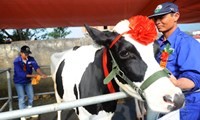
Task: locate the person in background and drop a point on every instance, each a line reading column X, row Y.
column 23, row 68
column 179, row 53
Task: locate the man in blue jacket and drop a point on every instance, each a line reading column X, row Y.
column 179, row 53
column 23, row 68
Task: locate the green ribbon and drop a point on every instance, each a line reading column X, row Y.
column 154, row 77
column 110, row 76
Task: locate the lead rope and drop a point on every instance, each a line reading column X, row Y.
column 139, row 102
column 128, row 90
column 140, row 109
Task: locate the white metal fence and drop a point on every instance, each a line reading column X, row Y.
column 61, row 106
column 12, row 114
column 9, row 98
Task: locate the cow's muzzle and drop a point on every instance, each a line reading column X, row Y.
column 176, row 102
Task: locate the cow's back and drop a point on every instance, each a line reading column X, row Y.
column 74, row 63
column 55, row 60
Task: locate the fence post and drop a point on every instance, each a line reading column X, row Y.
column 9, row 88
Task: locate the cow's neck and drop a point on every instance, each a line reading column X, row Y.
column 94, row 76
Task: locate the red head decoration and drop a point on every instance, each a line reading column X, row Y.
column 142, row 29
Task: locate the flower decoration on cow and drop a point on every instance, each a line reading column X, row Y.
column 142, row 29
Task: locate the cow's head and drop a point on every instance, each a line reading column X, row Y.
column 131, row 45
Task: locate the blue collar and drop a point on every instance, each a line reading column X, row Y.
column 173, row 36
column 171, row 39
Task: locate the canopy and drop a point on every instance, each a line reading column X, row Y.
column 70, row 13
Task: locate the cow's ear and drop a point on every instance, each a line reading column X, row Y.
column 99, row 37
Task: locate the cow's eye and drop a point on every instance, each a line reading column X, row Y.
column 124, row 54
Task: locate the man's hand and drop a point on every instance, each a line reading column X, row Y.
column 44, row 76
column 183, row 83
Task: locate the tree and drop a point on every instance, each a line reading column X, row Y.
column 32, row 34
column 2, row 39
column 59, row 32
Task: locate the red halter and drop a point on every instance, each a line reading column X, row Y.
column 105, row 61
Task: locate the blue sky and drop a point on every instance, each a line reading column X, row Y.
column 189, row 27
column 77, row 31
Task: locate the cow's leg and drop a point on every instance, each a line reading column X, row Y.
column 58, row 85
column 59, row 100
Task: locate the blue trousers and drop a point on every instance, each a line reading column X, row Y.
column 22, row 90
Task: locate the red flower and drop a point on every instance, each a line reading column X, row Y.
column 143, row 29
column 164, row 56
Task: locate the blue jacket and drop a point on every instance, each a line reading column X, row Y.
column 185, row 62
column 20, row 72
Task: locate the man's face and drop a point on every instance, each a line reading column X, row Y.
column 167, row 22
column 24, row 56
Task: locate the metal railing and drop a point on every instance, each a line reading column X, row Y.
column 61, row 106
column 9, row 99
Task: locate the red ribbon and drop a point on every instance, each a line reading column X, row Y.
column 105, row 69
column 105, row 61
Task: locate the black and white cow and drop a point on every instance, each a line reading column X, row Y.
column 79, row 73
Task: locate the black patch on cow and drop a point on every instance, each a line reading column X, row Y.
column 75, row 47
column 59, row 84
column 129, row 61
column 76, row 94
column 92, row 85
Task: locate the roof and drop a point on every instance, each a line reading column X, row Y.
column 70, row 13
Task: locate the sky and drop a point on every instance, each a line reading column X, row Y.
column 189, row 27
column 77, row 31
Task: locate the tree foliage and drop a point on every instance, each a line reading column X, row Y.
column 59, row 32
column 32, row 34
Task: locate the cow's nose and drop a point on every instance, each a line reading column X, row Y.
column 176, row 102
column 168, row 98
column 179, row 100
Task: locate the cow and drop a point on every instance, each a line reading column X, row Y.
column 123, row 56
